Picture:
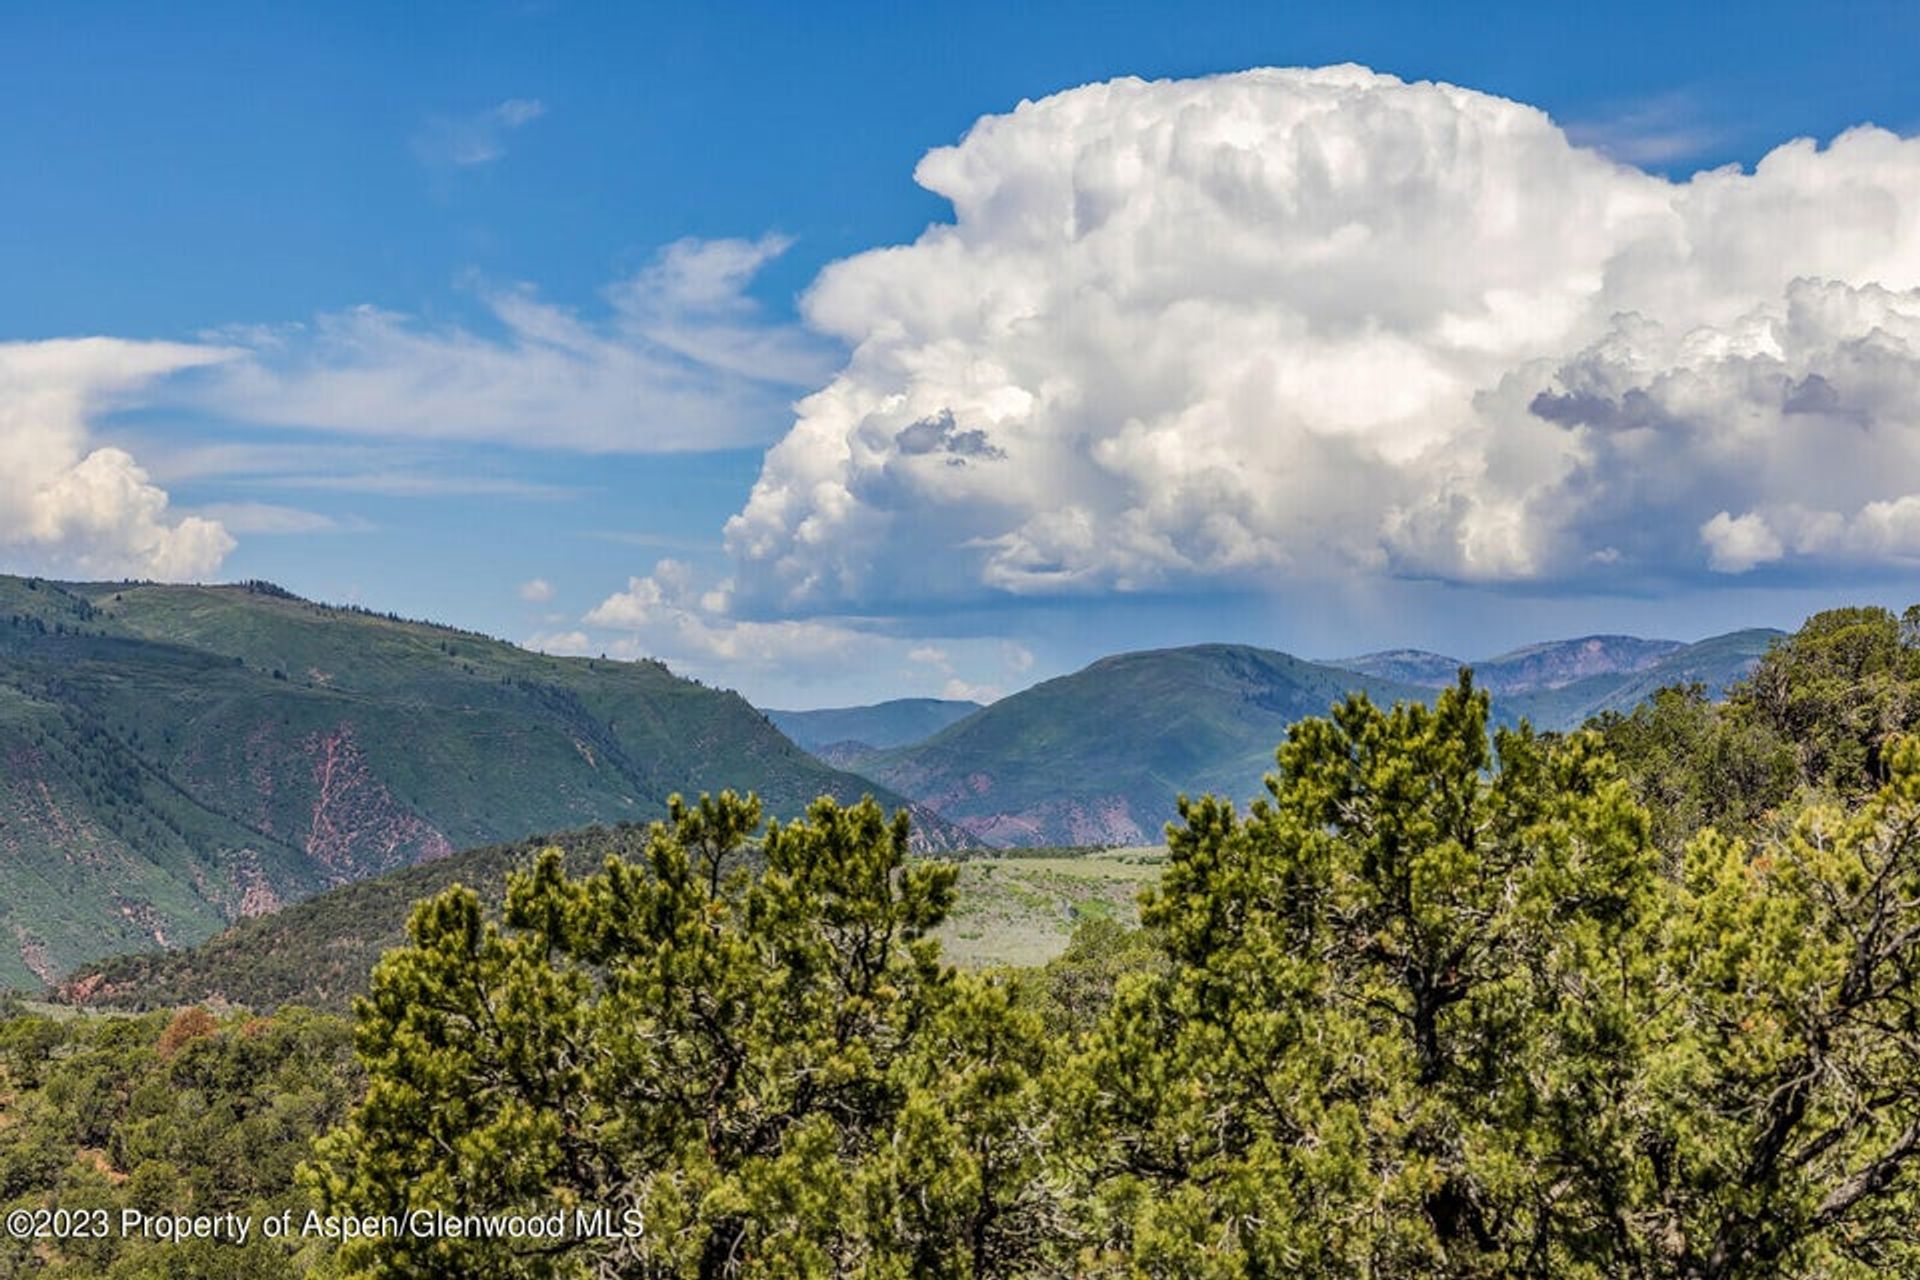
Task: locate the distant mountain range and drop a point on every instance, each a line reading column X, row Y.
column 845, row 736
column 174, row 757
column 1094, row 757
column 1553, row 665
column 1099, row 756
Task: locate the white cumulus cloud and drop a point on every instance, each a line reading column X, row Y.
column 70, row 506
column 1737, row 544
column 1314, row 323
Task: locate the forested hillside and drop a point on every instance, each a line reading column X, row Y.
column 172, row 757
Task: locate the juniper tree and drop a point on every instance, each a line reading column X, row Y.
column 1402, row 997
column 767, row 1063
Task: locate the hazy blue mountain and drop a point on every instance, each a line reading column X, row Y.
column 1559, row 663
column 1551, row 665
column 1716, row 663
column 1408, row 666
column 895, row 723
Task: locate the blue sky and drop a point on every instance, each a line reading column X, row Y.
column 481, row 312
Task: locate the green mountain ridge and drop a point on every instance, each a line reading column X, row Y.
column 1194, row 703
column 175, row 757
column 1013, row 909
column 318, row 951
column 1098, row 757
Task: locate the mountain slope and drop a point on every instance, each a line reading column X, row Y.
column 1558, row 663
column 320, row 950
column 1408, row 666
column 1551, row 665
column 1099, row 756
column 883, row 725
column 173, row 757
column 1716, row 663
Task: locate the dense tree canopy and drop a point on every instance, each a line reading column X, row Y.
column 165, row 1114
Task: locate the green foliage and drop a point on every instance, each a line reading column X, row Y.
column 1786, row 1084
column 1841, row 690
column 1076, row 988
column 1817, row 718
column 167, row 1114
column 1693, row 765
column 1396, row 995
column 773, row 1070
column 1429, row 1013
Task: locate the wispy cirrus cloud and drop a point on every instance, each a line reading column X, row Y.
column 376, row 469
column 273, row 519
column 477, row 138
column 681, row 359
column 1651, row 132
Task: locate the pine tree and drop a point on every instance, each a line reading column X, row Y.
column 768, row 1065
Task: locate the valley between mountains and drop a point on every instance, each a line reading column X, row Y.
column 177, row 758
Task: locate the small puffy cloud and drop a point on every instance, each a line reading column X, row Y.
column 1014, row 659
column 536, row 591
column 683, row 359
column 476, row 139
column 961, row 691
column 69, row 506
column 667, row 613
column 1302, row 325
column 1735, row 545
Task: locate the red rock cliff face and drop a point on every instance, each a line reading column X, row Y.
column 357, row 827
